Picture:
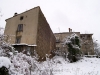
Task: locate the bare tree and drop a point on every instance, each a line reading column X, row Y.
column 96, row 47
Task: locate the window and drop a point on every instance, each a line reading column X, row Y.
column 20, row 27
column 21, row 18
column 89, row 36
column 81, row 36
column 28, row 50
column 57, row 39
column 18, row 39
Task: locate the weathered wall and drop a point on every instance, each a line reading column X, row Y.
column 60, row 38
column 63, row 35
column 45, row 37
column 86, row 41
column 87, row 44
column 30, row 21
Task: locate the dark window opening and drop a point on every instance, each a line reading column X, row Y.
column 28, row 51
column 18, row 39
column 57, row 40
column 57, row 48
column 89, row 36
column 20, row 27
column 81, row 36
column 21, row 18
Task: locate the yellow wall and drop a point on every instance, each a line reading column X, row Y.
column 29, row 22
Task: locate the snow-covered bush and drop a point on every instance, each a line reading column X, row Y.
column 22, row 64
column 73, row 45
column 4, row 66
column 60, row 52
column 96, row 47
column 5, row 48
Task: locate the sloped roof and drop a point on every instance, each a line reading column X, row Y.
column 38, row 7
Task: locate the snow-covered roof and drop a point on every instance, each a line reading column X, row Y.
column 66, row 32
column 32, row 45
column 24, row 44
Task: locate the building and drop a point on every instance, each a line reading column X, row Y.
column 87, row 47
column 30, row 31
column 60, row 38
column 87, row 44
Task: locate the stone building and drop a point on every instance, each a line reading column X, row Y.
column 60, row 38
column 87, row 44
column 86, row 41
column 30, row 31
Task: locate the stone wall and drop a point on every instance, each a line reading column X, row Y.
column 87, row 44
column 45, row 37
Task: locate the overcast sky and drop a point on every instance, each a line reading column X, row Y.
column 79, row 15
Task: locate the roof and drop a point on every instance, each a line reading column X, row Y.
column 86, row 34
column 66, row 32
column 72, row 32
column 23, row 12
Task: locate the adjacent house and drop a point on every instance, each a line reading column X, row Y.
column 87, row 47
column 87, row 44
column 30, row 31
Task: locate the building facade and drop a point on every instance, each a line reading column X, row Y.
column 60, row 38
column 87, row 44
column 30, row 31
column 87, row 47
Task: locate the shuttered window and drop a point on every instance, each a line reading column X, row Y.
column 20, row 27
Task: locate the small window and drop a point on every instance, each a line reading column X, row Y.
column 18, row 39
column 57, row 40
column 20, row 27
column 21, row 18
column 89, row 36
column 81, row 36
column 28, row 50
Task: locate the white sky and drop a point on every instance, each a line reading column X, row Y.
column 79, row 15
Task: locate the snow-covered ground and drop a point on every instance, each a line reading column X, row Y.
column 85, row 66
column 21, row 65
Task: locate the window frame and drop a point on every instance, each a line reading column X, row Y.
column 20, row 27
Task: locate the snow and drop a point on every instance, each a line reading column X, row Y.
column 4, row 61
column 24, row 44
column 85, row 66
column 22, row 64
column 1, row 30
column 32, row 45
column 68, row 38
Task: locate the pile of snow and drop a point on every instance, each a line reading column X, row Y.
column 4, row 61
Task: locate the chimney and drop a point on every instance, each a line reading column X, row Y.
column 15, row 14
column 70, row 30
